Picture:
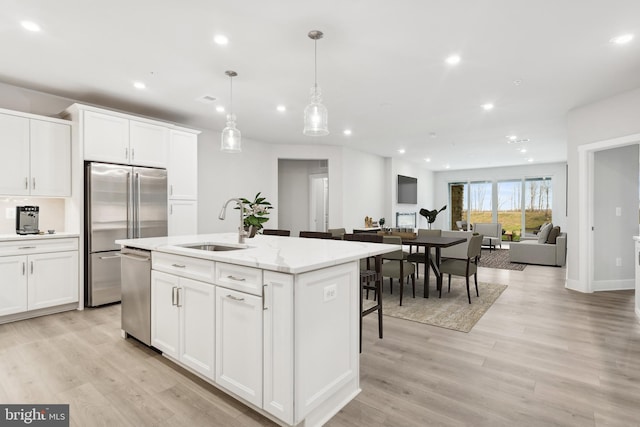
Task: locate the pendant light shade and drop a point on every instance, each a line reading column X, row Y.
column 316, row 118
column 231, row 140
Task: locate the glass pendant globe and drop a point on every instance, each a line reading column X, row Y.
column 316, row 118
column 231, row 140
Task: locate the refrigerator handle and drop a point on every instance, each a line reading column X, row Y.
column 137, row 204
column 129, row 208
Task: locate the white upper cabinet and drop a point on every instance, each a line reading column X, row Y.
column 148, row 144
column 116, row 139
column 106, row 137
column 35, row 157
column 50, row 159
column 183, row 165
column 14, row 155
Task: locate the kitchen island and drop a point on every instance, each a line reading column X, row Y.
column 273, row 322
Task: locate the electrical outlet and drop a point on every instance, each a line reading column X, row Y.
column 330, row 292
column 618, row 262
column 10, row 213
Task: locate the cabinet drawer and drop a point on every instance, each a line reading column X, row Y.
column 26, row 247
column 244, row 279
column 184, row 266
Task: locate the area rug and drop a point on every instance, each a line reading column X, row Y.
column 499, row 258
column 452, row 311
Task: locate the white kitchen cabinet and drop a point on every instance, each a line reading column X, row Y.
column 106, row 137
column 239, row 344
column 182, row 320
column 53, row 279
column 148, row 144
column 45, row 276
column 115, row 138
column 50, row 158
column 278, row 345
column 183, row 165
column 35, row 156
column 13, row 284
column 183, row 217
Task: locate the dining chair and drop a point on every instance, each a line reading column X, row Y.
column 465, row 268
column 315, row 235
column 367, row 276
column 274, row 232
column 418, row 257
column 397, row 267
column 337, row 233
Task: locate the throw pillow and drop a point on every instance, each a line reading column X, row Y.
column 553, row 235
column 544, row 233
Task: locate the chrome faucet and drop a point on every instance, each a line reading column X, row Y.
column 223, row 212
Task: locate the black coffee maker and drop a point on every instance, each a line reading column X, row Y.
column 27, row 219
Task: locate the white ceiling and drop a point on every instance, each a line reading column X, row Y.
column 380, row 65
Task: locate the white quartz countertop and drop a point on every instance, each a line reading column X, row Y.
column 285, row 254
column 11, row 237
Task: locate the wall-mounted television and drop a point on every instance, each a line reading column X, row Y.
column 407, row 190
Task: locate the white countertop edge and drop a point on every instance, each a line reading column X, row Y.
column 22, row 237
column 266, row 248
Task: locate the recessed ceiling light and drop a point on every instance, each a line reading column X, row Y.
column 220, row 109
column 487, row 107
column 511, row 137
column 623, row 39
column 447, row 166
column 281, row 108
column 221, row 40
column 31, row 26
column 347, row 132
column 523, row 150
column 530, row 159
column 427, row 159
column 453, row 59
column 401, row 151
column 139, row 85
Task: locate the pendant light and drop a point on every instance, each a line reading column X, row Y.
column 231, row 141
column 315, row 115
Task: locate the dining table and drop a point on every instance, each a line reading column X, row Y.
column 428, row 242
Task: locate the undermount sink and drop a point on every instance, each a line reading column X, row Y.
column 212, row 247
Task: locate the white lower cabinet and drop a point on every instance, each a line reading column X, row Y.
column 182, row 320
column 239, row 344
column 39, row 280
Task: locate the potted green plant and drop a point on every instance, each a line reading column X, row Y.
column 256, row 213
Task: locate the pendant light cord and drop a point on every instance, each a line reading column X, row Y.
column 230, row 95
column 315, row 63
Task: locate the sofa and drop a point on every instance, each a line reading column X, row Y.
column 538, row 252
column 492, row 232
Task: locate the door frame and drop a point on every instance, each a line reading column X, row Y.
column 312, row 200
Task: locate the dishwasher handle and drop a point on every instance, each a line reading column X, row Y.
column 135, row 257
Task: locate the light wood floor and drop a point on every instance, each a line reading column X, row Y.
column 542, row 355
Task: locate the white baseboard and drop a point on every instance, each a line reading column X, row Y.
column 576, row 285
column 614, row 285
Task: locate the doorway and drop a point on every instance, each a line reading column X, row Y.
column 319, row 202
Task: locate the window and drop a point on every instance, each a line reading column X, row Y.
column 510, row 206
column 537, row 200
column 480, row 201
column 458, row 203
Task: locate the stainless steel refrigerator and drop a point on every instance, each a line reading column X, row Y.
column 120, row 202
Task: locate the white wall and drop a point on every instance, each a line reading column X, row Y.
column 597, row 124
column 555, row 170
column 363, row 188
column 426, row 192
column 222, row 176
column 615, row 188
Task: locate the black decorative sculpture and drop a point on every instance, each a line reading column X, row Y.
column 431, row 215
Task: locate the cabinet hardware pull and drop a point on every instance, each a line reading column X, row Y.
column 235, row 298
column 237, row 279
column 264, row 296
column 179, row 265
column 31, row 267
column 173, row 295
column 171, row 190
column 178, row 299
column 126, row 153
column 26, row 183
column 109, row 257
column 34, row 182
column 133, row 153
column 171, row 209
column 24, row 268
column 27, row 247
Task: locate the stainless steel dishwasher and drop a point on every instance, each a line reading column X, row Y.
column 136, row 293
